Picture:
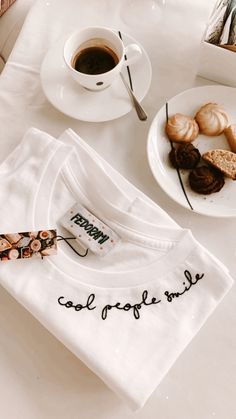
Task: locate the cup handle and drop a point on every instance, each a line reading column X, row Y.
column 132, row 53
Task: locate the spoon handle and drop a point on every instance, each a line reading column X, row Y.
column 140, row 111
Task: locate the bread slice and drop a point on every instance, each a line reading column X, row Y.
column 230, row 133
column 223, row 160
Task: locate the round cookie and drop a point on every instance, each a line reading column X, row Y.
column 212, row 119
column 181, row 128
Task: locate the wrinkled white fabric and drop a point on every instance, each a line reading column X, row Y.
column 127, row 315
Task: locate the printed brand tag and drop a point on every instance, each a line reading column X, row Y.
column 89, row 231
column 26, row 245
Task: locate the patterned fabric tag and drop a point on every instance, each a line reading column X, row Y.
column 89, row 231
column 25, row 245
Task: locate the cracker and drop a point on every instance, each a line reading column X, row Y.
column 223, row 160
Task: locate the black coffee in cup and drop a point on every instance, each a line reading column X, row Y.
column 96, row 59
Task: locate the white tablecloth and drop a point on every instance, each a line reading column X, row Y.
column 39, row 378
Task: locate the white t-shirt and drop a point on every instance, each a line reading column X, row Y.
column 127, row 315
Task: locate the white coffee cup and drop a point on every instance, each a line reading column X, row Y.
column 83, row 41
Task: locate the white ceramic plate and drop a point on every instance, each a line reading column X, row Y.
column 69, row 97
column 219, row 204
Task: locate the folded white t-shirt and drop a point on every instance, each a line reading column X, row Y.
column 127, row 315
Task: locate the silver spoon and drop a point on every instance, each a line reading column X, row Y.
column 140, row 111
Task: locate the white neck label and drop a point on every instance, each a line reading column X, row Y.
column 89, row 231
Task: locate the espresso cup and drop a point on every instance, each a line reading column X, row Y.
column 94, row 56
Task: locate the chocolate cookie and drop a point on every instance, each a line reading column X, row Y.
column 184, row 156
column 206, row 180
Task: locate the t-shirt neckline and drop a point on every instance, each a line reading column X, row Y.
column 62, row 163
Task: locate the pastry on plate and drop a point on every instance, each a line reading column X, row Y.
column 223, row 160
column 184, row 156
column 181, row 128
column 206, row 180
column 230, row 133
column 212, row 119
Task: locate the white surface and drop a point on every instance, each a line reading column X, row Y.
column 47, row 381
column 79, row 103
column 220, row 204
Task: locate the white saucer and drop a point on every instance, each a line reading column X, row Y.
column 69, row 97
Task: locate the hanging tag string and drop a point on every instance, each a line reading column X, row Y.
column 60, row 238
